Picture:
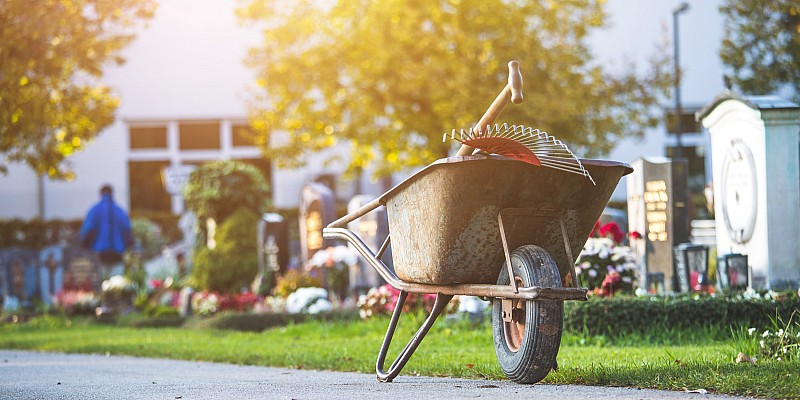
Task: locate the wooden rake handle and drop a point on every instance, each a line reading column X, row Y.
column 512, row 91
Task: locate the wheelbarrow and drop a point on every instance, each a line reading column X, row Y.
column 494, row 227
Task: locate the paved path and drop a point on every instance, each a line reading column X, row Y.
column 32, row 375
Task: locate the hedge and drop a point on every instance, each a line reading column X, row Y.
column 257, row 322
column 622, row 315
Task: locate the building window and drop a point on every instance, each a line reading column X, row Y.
column 243, row 136
column 148, row 137
column 147, row 193
column 199, row 136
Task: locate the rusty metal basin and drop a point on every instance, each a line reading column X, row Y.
column 443, row 219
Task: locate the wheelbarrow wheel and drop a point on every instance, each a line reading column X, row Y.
column 527, row 340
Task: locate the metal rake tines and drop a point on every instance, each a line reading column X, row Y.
column 522, row 143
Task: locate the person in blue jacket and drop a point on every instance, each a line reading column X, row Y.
column 107, row 231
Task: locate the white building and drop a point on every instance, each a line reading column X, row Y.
column 184, row 92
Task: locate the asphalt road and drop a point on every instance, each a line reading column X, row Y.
column 32, row 375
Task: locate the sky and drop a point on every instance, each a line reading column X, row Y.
column 179, row 52
column 637, row 27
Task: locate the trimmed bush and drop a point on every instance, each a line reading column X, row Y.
column 218, row 188
column 158, row 320
column 622, row 315
column 259, row 322
column 233, row 264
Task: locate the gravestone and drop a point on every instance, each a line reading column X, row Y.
column 18, row 267
column 316, row 212
column 82, row 270
column 51, row 273
column 657, row 213
column 372, row 228
column 273, row 251
column 755, row 152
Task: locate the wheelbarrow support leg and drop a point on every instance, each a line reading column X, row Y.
column 405, row 355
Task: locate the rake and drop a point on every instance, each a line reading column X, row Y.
column 522, row 143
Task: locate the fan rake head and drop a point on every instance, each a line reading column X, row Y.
column 524, row 144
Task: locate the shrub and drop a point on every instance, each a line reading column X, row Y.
column 233, row 264
column 259, row 322
column 147, row 235
column 217, row 189
column 36, row 233
column 623, row 315
column 155, row 318
column 167, row 223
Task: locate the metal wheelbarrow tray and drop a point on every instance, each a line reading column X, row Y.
column 453, row 226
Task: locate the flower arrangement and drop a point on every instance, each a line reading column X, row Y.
column 605, row 265
column 77, row 301
column 295, row 279
column 382, row 300
column 117, row 287
column 117, row 295
column 333, row 264
column 309, row 300
column 207, row 303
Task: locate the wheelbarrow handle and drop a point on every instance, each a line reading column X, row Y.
column 512, row 91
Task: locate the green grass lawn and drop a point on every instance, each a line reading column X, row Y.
column 675, row 360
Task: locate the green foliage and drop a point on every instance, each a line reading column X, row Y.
column 218, row 188
column 36, row 233
column 166, row 221
column 459, row 350
column 780, row 341
column 259, row 322
column 293, row 280
column 152, row 317
column 147, row 235
column 233, row 264
column 762, row 45
column 52, row 53
column 622, row 315
column 388, row 78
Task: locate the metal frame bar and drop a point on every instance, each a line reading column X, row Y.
column 411, row 346
column 480, row 290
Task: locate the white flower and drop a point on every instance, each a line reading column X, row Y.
column 320, row 305
column 303, row 299
column 592, row 273
column 762, row 344
column 750, row 331
column 765, row 334
column 471, row 304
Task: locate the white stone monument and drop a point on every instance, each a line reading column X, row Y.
column 755, row 152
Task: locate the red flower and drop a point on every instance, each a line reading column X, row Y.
column 613, row 231
column 635, row 235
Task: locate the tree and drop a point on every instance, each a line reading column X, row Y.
column 390, row 77
column 762, row 45
column 51, row 57
column 218, row 188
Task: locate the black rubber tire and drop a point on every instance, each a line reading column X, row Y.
column 527, row 351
